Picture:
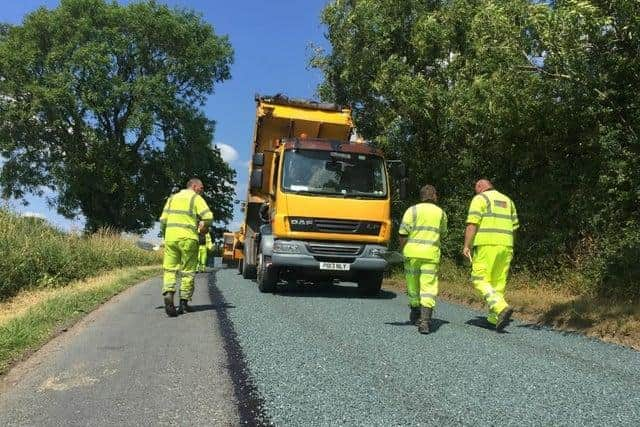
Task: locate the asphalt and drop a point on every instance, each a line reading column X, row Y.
column 325, row 356
column 128, row 364
column 314, row 356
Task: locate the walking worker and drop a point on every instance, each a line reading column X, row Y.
column 488, row 243
column 422, row 227
column 205, row 245
column 184, row 217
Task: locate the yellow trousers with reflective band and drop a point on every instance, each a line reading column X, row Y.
column 180, row 256
column 489, row 275
column 422, row 282
column 202, row 258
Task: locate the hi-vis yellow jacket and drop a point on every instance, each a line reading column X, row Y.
column 496, row 217
column 181, row 214
column 423, row 224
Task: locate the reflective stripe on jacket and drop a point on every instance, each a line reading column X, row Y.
column 181, row 214
column 496, row 217
column 423, row 225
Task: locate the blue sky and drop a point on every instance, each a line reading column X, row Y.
column 271, row 42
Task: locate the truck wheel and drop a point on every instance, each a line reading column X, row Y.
column 240, row 264
column 267, row 278
column 370, row 283
column 248, row 271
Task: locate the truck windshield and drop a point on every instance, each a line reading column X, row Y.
column 335, row 173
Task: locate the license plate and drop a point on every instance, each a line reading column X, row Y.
column 336, row 266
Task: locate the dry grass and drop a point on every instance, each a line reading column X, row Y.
column 25, row 300
column 545, row 304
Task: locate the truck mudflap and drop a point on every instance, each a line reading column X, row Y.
column 329, row 257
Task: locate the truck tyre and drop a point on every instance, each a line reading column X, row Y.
column 370, row 283
column 248, row 271
column 267, row 278
column 240, row 264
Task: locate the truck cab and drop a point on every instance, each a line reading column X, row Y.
column 319, row 203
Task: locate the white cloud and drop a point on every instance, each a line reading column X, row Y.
column 33, row 215
column 227, row 152
column 234, row 225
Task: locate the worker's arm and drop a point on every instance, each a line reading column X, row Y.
column 204, row 214
column 469, row 234
column 477, row 209
column 164, row 216
column 406, row 226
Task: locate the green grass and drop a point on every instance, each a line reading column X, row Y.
column 50, row 311
column 35, row 255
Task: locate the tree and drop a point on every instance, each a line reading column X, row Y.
column 541, row 97
column 101, row 103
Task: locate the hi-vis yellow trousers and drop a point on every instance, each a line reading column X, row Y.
column 422, row 282
column 489, row 274
column 180, row 255
column 202, row 258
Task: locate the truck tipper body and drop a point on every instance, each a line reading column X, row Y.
column 227, row 248
column 318, row 205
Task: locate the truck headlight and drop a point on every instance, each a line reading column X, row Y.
column 376, row 252
column 286, row 247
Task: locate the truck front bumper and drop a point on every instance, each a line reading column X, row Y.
column 309, row 255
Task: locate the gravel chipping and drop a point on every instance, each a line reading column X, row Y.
column 325, row 356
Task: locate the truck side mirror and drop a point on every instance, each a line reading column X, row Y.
column 402, row 170
column 256, row 179
column 258, row 159
column 403, row 189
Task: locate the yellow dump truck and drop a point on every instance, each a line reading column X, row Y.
column 318, row 204
column 227, row 248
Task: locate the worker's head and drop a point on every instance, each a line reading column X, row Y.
column 304, row 136
column 196, row 185
column 428, row 193
column 483, row 185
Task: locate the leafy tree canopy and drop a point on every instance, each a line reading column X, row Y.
column 541, row 97
column 101, row 103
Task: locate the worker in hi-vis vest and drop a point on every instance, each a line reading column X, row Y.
column 488, row 243
column 422, row 227
column 185, row 216
column 205, row 245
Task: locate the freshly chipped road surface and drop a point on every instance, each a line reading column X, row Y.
column 313, row 356
column 324, row 356
column 127, row 363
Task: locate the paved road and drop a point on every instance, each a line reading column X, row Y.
column 315, row 356
column 327, row 357
column 128, row 364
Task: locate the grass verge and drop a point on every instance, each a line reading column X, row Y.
column 31, row 318
column 37, row 255
column 544, row 304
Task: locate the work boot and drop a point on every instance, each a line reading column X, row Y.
column 184, row 307
column 424, row 324
column 414, row 315
column 169, row 308
column 504, row 318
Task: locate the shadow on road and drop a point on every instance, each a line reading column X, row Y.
column 327, row 291
column 481, row 322
column 435, row 324
column 204, row 307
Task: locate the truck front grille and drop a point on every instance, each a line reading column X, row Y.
column 334, row 249
column 338, row 226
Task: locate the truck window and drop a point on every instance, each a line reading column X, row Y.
column 334, row 173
